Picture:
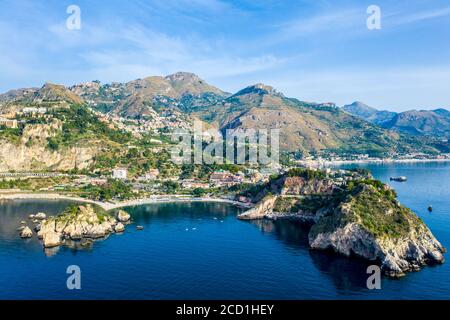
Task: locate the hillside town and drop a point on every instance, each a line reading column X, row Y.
column 152, row 181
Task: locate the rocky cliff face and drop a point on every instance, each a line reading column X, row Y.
column 261, row 210
column 373, row 225
column 31, row 153
column 396, row 255
column 302, row 186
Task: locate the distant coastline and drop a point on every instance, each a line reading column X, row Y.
column 117, row 205
column 366, row 161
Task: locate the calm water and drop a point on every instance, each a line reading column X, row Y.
column 201, row 251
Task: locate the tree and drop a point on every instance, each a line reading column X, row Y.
column 199, row 192
column 171, row 186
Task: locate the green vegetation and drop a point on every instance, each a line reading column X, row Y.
column 199, row 192
column 380, row 214
column 251, row 191
column 78, row 123
column 309, row 204
column 138, row 161
column 71, row 212
column 330, row 223
column 114, row 189
column 11, row 134
column 170, row 187
column 373, row 205
column 202, row 172
column 307, row 174
column 379, row 186
column 32, row 184
column 368, row 202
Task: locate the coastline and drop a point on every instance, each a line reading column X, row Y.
column 366, row 161
column 112, row 206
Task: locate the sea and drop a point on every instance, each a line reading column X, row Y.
column 199, row 250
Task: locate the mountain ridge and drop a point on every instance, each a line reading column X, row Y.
column 415, row 122
column 305, row 128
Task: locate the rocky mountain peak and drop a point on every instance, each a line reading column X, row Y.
column 360, row 104
column 260, row 89
column 190, row 83
column 360, row 109
column 183, row 77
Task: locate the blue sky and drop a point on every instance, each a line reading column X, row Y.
column 314, row 50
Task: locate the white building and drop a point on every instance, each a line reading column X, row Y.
column 35, row 110
column 120, row 173
column 8, row 123
column 152, row 174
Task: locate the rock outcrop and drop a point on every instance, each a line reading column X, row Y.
column 119, row 227
column 123, row 216
column 261, row 210
column 77, row 223
column 26, row 233
column 51, row 239
column 303, row 186
column 40, row 216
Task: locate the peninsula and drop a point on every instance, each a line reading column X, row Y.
column 350, row 213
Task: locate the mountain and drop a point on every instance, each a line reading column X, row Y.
column 360, row 109
column 142, row 97
column 17, row 94
column 304, row 127
column 422, row 122
column 175, row 101
column 442, row 112
column 47, row 93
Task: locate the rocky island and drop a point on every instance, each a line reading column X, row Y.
column 349, row 213
column 76, row 223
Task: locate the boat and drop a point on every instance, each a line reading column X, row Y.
column 399, row 179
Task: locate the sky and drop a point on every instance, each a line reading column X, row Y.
column 313, row 50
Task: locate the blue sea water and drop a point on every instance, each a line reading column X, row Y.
column 201, row 251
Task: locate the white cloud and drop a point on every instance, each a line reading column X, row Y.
column 400, row 19
column 142, row 52
column 290, row 55
column 329, row 23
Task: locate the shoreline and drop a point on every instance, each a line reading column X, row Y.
column 108, row 206
column 367, row 161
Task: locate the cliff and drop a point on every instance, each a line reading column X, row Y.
column 261, row 210
column 304, row 186
column 373, row 225
column 30, row 151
